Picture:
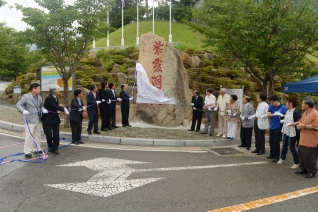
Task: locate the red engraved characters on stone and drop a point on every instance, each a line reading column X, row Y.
column 157, row 81
column 157, row 65
column 157, row 48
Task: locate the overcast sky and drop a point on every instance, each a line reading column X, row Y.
column 13, row 18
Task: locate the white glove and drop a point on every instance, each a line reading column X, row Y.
column 130, row 98
column 192, row 104
column 264, row 116
column 194, row 108
column 44, row 111
column 288, row 125
column 80, row 109
column 103, row 100
column 243, row 118
column 210, row 109
column 234, row 114
column 58, row 111
column 216, row 108
column 66, row 111
column 252, row 117
column 229, row 112
column 98, row 102
column 109, row 101
column 84, row 108
column 119, row 99
column 280, row 114
column 25, row 112
column 282, row 121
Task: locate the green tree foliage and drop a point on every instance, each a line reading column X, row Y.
column 63, row 32
column 13, row 53
column 2, row 3
column 267, row 38
column 130, row 13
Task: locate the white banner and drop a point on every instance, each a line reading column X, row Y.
column 239, row 93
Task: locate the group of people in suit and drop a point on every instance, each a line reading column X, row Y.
column 285, row 124
column 46, row 116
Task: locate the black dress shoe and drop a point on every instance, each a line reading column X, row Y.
column 128, row 125
column 110, row 128
column 124, row 126
column 203, row 133
column 191, row 130
column 96, row 132
column 105, row 130
column 29, row 155
column 241, row 146
column 248, row 148
column 227, row 137
column 269, row 157
column 81, row 142
column 197, row 130
column 115, row 127
column 75, row 143
column 310, row 175
column 55, row 152
column 254, row 151
column 275, row 160
column 89, row 132
column 260, row 153
column 301, row 172
column 49, row 149
column 211, row 134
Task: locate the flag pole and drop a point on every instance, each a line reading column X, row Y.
column 170, row 35
column 122, row 24
column 137, row 38
column 153, row 16
column 107, row 41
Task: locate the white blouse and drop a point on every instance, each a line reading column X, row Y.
column 290, row 131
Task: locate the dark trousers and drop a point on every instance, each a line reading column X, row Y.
column 289, row 142
column 52, row 133
column 105, row 118
column 93, row 120
column 259, row 138
column 308, row 158
column 125, row 116
column 76, row 127
column 246, row 136
column 275, row 136
column 112, row 115
column 196, row 119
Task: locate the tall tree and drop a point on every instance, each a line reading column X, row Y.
column 266, row 37
column 12, row 53
column 2, row 3
column 63, row 32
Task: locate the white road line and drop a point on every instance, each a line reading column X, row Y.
column 200, row 167
column 13, row 136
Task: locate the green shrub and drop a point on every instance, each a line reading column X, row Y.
column 233, row 74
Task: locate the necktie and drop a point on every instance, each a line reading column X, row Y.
column 196, row 99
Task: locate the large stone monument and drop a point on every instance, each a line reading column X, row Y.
column 165, row 70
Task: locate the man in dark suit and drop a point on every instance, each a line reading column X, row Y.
column 103, row 107
column 51, row 121
column 125, row 106
column 92, row 110
column 196, row 103
column 112, row 106
column 76, row 117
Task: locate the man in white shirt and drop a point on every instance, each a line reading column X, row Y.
column 210, row 114
column 260, row 124
column 222, row 103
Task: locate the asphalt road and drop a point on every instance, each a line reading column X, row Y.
column 105, row 179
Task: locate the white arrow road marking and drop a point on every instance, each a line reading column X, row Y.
column 113, row 173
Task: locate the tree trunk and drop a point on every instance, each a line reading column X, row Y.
column 65, row 95
column 271, row 85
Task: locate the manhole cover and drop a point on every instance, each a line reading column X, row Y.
column 226, row 151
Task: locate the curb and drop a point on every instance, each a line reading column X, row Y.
column 135, row 141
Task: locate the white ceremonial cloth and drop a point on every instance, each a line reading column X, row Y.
column 148, row 93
